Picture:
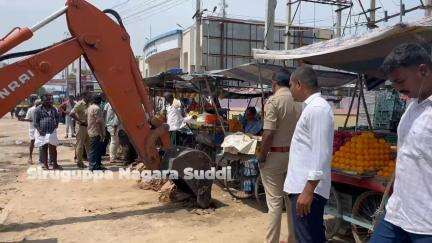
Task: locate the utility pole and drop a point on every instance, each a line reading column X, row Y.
column 269, row 24
column 288, row 27
column 339, row 21
column 198, row 56
column 224, row 8
column 66, row 73
column 372, row 15
column 401, row 11
column 78, row 77
column 428, row 9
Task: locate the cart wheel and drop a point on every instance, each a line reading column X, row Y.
column 234, row 186
column 260, row 195
column 333, row 214
column 364, row 210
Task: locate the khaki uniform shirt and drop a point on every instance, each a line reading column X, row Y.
column 80, row 110
column 281, row 115
column 95, row 121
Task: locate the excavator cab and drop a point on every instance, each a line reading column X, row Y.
column 105, row 44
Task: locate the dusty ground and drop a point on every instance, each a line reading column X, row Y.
column 105, row 211
column 108, row 210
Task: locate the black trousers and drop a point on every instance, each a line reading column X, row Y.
column 106, row 142
column 43, row 154
column 309, row 228
column 95, row 153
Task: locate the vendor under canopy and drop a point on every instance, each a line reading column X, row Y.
column 251, row 122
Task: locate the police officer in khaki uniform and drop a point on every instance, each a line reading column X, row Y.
column 281, row 116
column 79, row 113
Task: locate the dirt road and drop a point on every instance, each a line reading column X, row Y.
column 105, row 211
column 49, row 211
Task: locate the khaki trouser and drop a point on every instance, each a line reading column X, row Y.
column 273, row 174
column 83, row 141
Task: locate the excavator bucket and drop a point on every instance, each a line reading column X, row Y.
column 186, row 161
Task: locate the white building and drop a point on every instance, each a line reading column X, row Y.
column 224, row 43
column 162, row 53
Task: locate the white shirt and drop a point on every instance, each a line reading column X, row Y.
column 30, row 115
column 175, row 118
column 410, row 205
column 111, row 117
column 311, row 148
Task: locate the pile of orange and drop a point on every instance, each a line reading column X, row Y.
column 387, row 170
column 363, row 153
column 211, row 119
column 234, row 125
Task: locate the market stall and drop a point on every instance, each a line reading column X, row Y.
column 247, row 182
column 200, row 95
column 215, row 130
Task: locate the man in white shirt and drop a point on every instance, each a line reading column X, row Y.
column 409, row 210
column 112, row 124
column 308, row 179
column 175, row 117
column 29, row 118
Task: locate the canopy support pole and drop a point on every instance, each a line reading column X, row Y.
column 352, row 103
column 215, row 106
column 364, row 104
column 262, row 90
column 360, row 87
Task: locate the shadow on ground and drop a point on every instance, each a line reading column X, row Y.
column 166, row 208
column 50, row 240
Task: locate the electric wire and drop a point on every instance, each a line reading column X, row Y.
column 145, row 15
column 150, row 15
column 154, row 11
column 148, row 9
column 136, row 6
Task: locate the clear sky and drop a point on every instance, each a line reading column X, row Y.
column 148, row 18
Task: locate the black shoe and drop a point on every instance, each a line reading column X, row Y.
column 81, row 165
column 99, row 168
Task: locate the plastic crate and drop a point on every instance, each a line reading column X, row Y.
column 388, row 110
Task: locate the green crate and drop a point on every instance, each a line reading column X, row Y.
column 388, row 110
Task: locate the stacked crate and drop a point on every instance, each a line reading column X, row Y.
column 388, row 110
